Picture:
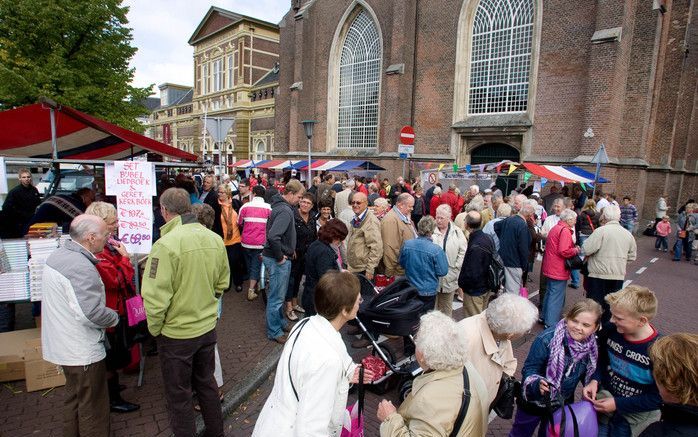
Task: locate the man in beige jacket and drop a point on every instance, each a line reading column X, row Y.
column 364, row 244
column 396, row 228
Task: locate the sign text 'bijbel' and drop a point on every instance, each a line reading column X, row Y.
column 133, row 184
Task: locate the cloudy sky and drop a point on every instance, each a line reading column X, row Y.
column 161, row 29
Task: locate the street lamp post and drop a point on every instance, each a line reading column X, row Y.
column 308, row 126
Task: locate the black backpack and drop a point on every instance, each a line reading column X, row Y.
column 495, row 270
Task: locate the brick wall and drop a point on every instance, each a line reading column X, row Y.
column 637, row 94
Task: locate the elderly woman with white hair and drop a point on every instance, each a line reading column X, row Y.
column 489, row 334
column 558, row 247
column 452, row 240
column 439, row 396
column 608, row 250
column 381, row 206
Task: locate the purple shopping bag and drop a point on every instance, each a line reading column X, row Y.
column 135, row 310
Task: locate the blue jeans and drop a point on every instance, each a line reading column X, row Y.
column 663, row 242
column 279, row 275
column 616, row 427
column 628, row 226
column 575, row 277
column 254, row 263
column 554, row 301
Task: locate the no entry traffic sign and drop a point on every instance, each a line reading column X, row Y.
column 407, row 135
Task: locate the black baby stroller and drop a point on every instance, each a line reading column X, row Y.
column 393, row 311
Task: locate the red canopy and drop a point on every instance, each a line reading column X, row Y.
column 25, row 132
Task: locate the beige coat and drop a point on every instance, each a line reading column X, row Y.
column 455, row 252
column 394, row 232
column 609, row 249
column 432, row 407
column 490, row 360
column 364, row 245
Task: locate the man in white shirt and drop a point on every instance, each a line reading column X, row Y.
column 341, row 199
column 602, row 203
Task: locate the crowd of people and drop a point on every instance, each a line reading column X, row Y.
column 305, row 248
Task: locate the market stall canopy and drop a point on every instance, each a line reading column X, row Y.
column 560, row 173
column 317, row 165
column 332, row 165
column 26, row 133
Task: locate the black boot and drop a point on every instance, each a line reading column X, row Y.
column 116, row 402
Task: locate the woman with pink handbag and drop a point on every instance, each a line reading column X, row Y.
column 314, row 372
column 117, row 273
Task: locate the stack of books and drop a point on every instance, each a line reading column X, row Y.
column 43, row 230
column 14, row 286
column 39, row 250
column 14, row 283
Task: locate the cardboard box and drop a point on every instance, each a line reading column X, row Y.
column 12, row 345
column 40, row 374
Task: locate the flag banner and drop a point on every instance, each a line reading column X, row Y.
column 512, row 167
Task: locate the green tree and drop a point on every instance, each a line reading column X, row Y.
column 75, row 52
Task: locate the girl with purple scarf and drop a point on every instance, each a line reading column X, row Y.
column 560, row 358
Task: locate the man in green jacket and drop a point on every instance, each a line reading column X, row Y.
column 185, row 275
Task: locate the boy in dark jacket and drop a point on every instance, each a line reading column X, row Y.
column 623, row 389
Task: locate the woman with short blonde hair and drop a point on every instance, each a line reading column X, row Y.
column 117, row 273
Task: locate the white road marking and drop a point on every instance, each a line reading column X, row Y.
column 642, row 269
column 628, row 282
column 654, row 260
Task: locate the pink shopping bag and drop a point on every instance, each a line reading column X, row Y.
column 353, row 424
column 135, row 310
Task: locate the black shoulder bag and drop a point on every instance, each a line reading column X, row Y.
column 298, row 330
column 463, row 406
column 503, row 404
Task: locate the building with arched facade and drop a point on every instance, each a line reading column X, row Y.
column 484, row 80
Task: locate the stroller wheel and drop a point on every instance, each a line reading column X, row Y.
column 404, row 389
column 386, row 351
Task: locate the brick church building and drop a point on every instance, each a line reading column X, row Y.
column 486, row 80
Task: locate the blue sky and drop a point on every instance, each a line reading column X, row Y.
column 161, row 29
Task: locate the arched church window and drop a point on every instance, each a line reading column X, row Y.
column 359, row 84
column 500, row 62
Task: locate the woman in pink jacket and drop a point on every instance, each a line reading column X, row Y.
column 558, row 247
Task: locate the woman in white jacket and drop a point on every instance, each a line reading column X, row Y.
column 314, row 372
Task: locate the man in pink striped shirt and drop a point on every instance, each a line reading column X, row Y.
column 252, row 219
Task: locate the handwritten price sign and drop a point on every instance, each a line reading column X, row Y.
column 134, row 185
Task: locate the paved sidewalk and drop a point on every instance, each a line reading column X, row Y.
column 246, row 355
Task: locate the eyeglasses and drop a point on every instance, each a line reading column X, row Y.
column 356, row 202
